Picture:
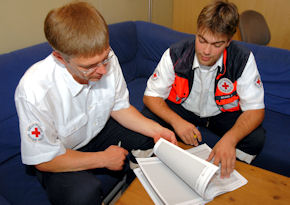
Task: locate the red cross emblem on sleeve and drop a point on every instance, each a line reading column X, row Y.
column 35, row 132
column 258, row 81
column 155, row 75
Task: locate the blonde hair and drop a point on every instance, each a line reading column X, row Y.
column 77, row 29
column 219, row 17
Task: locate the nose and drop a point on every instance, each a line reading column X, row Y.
column 207, row 49
column 102, row 69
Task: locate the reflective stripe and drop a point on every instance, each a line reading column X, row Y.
column 231, row 105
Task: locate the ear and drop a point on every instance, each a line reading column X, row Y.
column 59, row 57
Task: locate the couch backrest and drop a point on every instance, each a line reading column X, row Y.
column 123, row 40
column 139, row 46
column 274, row 67
column 12, row 67
column 153, row 40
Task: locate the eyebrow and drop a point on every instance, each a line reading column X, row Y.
column 94, row 64
column 217, row 42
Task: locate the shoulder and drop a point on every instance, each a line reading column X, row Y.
column 237, row 50
column 37, row 80
column 237, row 57
column 180, row 47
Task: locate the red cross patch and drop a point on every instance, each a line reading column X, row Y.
column 225, row 85
column 35, row 132
column 258, row 81
column 155, row 75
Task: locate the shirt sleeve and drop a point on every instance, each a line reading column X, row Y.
column 39, row 141
column 250, row 88
column 160, row 82
column 121, row 90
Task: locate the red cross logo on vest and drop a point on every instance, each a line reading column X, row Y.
column 35, row 132
column 225, row 85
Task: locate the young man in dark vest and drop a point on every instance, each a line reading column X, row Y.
column 213, row 82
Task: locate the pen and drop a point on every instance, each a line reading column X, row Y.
column 194, row 135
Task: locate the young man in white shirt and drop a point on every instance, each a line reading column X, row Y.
column 213, row 82
column 74, row 109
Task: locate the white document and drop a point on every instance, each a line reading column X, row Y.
column 176, row 176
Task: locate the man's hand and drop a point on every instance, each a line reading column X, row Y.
column 166, row 134
column 115, row 157
column 187, row 132
column 224, row 152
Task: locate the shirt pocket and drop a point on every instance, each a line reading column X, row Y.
column 74, row 131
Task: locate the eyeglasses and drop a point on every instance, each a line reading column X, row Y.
column 94, row 67
column 90, row 69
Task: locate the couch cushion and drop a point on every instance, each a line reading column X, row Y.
column 3, row 201
column 276, row 152
column 18, row 187
column 9, row 138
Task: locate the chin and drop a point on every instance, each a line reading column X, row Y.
column 207, row 63
column 95, row 79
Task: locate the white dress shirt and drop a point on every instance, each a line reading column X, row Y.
column 56, row 112
column 201, row 99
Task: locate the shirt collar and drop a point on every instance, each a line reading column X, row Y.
column 219, row 63
column 74, row 87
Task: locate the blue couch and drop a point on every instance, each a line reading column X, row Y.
column 139, row 46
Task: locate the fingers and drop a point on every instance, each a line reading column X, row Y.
column 167, row 135
column 191, row 139
column 197, row 134
column 210, row 157
column 125, row 151
column 227, row 167
column 171, row 137
column 115, row 157
column 174, row 140
column 231, row 166
column 192, row 136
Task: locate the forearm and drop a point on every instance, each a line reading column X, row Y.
column 245, row 124
column 73, row 161
column 135, row 121
column 159, row 107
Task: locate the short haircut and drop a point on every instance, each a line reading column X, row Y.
column 219, row 17
column 77, row 30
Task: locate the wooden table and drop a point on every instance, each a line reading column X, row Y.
column 263, row 188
